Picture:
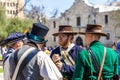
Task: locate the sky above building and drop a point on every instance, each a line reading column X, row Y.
column 61, row 5
column 100, row 1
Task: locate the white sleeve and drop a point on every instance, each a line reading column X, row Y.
column 48, row 69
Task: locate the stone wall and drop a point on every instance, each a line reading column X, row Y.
column 88, row 14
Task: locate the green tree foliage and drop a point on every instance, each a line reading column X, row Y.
column 18, row 25
column 8, row 26
column 2, row 23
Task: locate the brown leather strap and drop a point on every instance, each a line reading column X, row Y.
column 66, row 56
column 103, row 60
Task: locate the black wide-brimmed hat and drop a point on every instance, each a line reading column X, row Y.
column 38, row 32
column 65, row 29
column 94, row 29
column 14, row 37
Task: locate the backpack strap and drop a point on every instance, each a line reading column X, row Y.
column 24, row 59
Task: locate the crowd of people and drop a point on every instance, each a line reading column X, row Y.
column 25, row 56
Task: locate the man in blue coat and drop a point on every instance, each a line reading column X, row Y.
column 65, row 55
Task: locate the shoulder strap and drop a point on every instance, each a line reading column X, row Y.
column 67, row 57
column 95, row 63
column 70, row 47
column 24, row 59
column 94, row 60
column 100, row 72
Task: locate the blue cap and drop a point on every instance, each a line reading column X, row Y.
column 14, row 37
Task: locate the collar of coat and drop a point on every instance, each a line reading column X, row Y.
column 95, row 42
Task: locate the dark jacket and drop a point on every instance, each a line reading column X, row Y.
column 66, row 69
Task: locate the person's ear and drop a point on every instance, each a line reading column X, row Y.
column 18, row 44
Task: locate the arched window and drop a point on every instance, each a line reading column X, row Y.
column 106, row 19
column 68, row 19
column 78, row 21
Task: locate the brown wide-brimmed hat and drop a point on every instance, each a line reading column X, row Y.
column 65, row 29
column 94, row 29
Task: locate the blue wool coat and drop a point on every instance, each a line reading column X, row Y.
column 67, row 69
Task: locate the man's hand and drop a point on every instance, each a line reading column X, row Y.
column 59, row 65
column 56, row 60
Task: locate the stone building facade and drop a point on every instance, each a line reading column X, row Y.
column 12, row 7
column 82, row 13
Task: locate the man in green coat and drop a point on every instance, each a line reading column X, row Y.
column 85, row 64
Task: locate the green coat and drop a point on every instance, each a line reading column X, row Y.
column 84, row 66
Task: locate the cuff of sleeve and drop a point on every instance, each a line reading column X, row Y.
column 63, row 68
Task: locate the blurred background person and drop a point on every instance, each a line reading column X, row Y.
column 116, row 47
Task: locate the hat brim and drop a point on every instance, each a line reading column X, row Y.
column 11, row 41
column 73, row 33
column 38, row 41
column 100, row 33
column 35, row 41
